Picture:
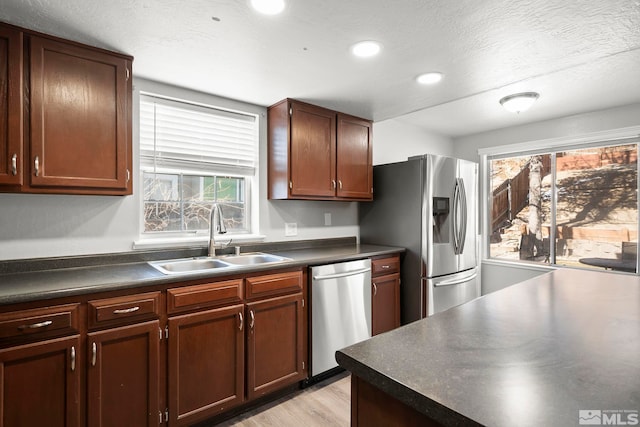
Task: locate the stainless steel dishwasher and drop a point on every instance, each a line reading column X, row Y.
column 340, row 310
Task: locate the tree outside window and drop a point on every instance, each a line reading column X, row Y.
column 576, row 208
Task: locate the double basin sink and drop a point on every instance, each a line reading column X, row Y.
column 191, row 265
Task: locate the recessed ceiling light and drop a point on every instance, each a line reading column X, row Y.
column 366, row 49
column 519, row 101
column 429, row 78
column 268, row 7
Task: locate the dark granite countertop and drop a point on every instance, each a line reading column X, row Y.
column 533, row 354
column 82, row 275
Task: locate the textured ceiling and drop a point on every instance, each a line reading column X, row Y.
column 580, row 56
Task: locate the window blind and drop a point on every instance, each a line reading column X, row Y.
column 181, row 135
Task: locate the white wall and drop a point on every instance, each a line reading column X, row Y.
column 395, row 141
column 494, row 274
column 34, row 226
column 467, row 147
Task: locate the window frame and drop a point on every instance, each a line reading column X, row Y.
column 546, row 146
column 169, row 239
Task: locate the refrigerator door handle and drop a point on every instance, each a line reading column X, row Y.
column 456, row 281
column 463, row 230
column 456, row 217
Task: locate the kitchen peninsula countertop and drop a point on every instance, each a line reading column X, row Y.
column 533, row 354
column 70, row 276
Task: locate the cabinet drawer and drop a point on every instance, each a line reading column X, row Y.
column 385, row 265
column 274, row 284
column 203, row 296
column 39, row 323
column 121, row 310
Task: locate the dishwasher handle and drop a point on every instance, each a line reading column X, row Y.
column 344, row 274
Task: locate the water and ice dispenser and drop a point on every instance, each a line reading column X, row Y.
column 440, row 220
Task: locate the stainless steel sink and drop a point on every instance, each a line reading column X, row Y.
column 187, row 265
column 253, row 258
column 192, row 265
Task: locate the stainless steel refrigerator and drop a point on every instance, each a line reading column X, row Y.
column 428, row 205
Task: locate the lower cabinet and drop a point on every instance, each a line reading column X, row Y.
column 173, row 357
column 206, row 364
column 274, row 344
column 385, row 300
column 40, row 384
column 214, row 353
column 123, row 376
column 385, row 294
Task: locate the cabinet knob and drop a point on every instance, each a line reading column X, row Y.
column 36, row 325
column 73, row 358
column 14, row 164
column 126, row 310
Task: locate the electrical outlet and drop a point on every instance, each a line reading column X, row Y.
column 327, row 218
column 290, row 229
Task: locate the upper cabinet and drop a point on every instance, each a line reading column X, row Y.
column 318, row 154
column 73, row 135
column 10, row 105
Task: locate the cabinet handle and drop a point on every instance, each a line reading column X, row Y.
column 36, row 165
column 241, row 320
column 340, row 184
column 126, row 310
column 14, row 164
column 333, row 183
column 94, row 353
column 253, row 319
column 73, row 358
column 375, row 289
column 35, row 325
column 385, row 267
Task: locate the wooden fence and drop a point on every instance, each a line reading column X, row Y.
column 510, row 197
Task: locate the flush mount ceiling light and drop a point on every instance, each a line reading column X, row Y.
column 366, row 49
column 519, row 102
column 268, row 7
column 429, row 78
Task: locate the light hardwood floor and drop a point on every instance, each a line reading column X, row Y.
column 324, row 404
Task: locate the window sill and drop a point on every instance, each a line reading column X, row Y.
column 193, row 241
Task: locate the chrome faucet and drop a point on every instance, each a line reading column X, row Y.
column 215, row 225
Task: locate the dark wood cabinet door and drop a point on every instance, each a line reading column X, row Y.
column 206, row 364
column 274, row 344
column 354, row 158
column 385, row 303
column 11, row 156
column 79, row 117
column 123, row 376
column 313, row 151
column 40, row 384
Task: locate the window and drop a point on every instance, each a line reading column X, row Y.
column 574, row 206
column 191, row 157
